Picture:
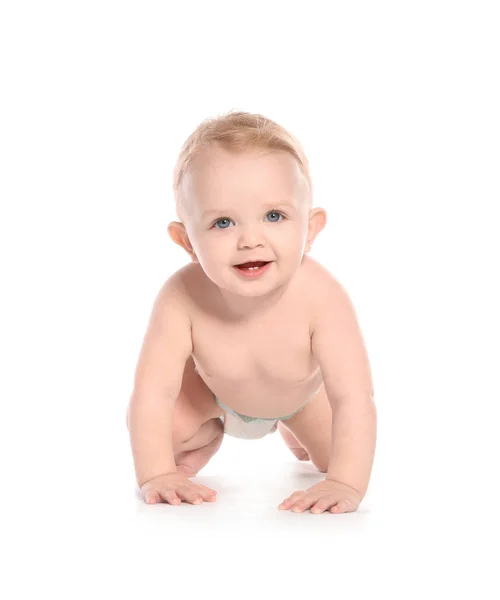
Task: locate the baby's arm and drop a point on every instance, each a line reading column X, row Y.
column 158, row 378
column 338, row 345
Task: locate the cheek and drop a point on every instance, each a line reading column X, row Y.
column 293, row 237
column 214, row 252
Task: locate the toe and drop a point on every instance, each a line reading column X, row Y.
column 300, row 453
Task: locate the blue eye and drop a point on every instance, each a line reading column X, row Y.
column 219, row 221
column 275, row 213
column 269, row 213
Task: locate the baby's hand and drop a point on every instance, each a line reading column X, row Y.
column 325, row 495
column 172, row 488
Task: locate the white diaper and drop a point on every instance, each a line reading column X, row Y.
column 250, row 430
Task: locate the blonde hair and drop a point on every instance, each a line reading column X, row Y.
column 237, row 132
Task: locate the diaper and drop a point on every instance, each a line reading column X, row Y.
column 249, row 428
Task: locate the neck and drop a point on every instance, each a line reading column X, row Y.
column 243, row 308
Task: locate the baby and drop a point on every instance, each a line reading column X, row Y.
column 252, row 336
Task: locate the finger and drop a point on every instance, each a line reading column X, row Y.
column 340, row 507
column 290, row 501
column 286, row 504
column 190, row 496
column 303, row 504
column 208, row 494
column 152, row 497
column 170, row 496
column 321, row 506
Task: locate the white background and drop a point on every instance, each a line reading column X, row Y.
column 397, row 106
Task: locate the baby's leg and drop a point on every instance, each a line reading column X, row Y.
column 197, row 451
column 197, row 431
column 292, row 442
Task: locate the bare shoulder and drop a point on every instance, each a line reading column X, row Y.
column 178, row 286
column 172, row 290
column 325, row 292
column 318, row 281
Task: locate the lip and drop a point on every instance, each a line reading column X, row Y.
column 253, row 274
column 243, row 262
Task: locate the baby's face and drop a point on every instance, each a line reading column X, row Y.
column 243, row 207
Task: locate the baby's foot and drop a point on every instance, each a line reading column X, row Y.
column 301, row 453
column 293, row 443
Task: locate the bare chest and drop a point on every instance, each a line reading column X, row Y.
column 263, row 368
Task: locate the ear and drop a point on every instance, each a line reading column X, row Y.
column 317, row 221
column 178, row 235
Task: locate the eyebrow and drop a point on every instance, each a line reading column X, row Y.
column 226, row 211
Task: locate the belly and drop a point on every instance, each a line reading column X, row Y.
column 262, row 397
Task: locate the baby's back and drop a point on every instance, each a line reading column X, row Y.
column 261, row 366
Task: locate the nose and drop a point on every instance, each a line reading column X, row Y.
column 251, row 237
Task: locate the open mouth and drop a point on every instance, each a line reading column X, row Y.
column 252, row 266
column 252, row 269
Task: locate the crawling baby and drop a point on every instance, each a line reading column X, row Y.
column 253, row 335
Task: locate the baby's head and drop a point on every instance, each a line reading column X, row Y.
column 243, row 192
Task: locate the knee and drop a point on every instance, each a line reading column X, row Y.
column 206, row 434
